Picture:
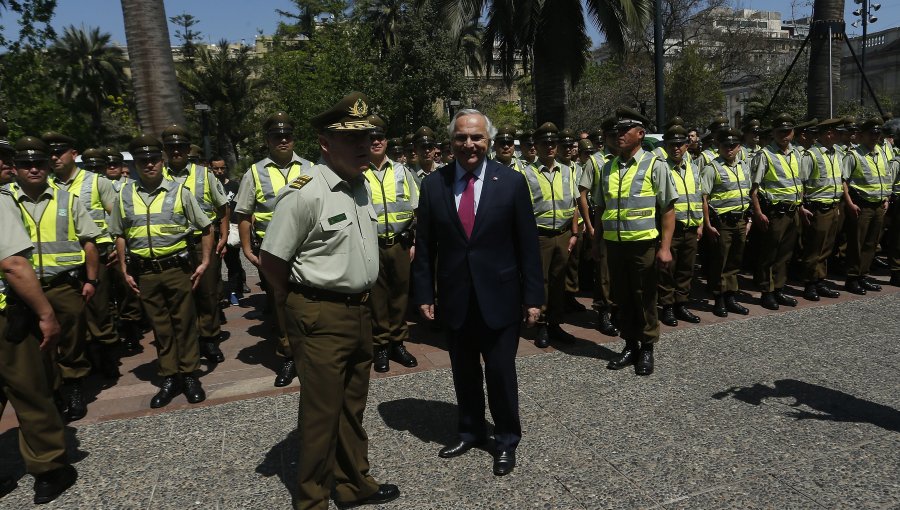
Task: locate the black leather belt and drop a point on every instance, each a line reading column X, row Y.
column 781, row 208
column 821, row 206
column 867, row 204
column 404, row 238
column 546, row 232
column 64, row 278
column 732, row 217
column 158, row 265
column 332, row 296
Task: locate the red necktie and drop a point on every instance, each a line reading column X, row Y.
column 467, row 204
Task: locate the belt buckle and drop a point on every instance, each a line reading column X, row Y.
column 156, row 266
column 390, row 241
column 364, row 297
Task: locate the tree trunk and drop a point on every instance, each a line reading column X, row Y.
column 156, row 91
column 550, row 91
column 818, row 105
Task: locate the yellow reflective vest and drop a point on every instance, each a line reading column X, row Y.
column 689, row 206
column 870, row 177
column 781, row 182
column 630, row 200
column 56, row 245
column 158, row 229
column 85, row 187
column 268, row 181
column 391, row 198
column 553, row 197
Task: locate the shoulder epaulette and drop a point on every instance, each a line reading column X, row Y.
column 5, row 190
column 301, row 181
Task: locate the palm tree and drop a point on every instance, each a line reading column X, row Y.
column 90, row 71
column 385, row 16
column 156, row 90
column 824, row 11
column 549, row 35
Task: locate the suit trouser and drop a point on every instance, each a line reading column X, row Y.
column 168, row 300
column 332, row 346
column 24, row 384
column 675, row 282
column 818, row 242
column 390, row 296
column 467, row 347
column 891, row 243
column 70, row 356
column 602, row 299
column 726, row 254
column 283, row 348
column 237, row 277
column 863, row 232
column 776, row 250
column 572, row 267
column 633, row 283
column 100, row 327
column 555, row 260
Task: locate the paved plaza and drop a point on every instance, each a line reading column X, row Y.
column 791, row 410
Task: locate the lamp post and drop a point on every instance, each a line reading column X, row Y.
column 204, row 128
column 865, row 17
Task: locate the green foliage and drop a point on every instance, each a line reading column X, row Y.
column 508, row 114
column 34, row 23
column 791, row 98
column 29, row 104
column 186, row 34
column 693, row 90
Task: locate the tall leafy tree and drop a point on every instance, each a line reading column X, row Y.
column 693, row 90
column 34, row 22
column 186, row 34
column 823, row 71
column 385, row 17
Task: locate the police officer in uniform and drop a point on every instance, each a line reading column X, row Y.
column 153, row 219
column 253, row 208
column 114, row 170
column 505, row 148
column 750, row 145
column 637, row 189
column 24, row 311
column 552, row 187
column 65, row 260
column 529, row 150
column 321, row 257
column 675, row 282
column 395, row 197
column 777, row 196
column 7, row 169
column 567, row 153
column 209, row 194
column 425, row 143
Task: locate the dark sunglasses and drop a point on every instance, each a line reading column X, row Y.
column 147, row 160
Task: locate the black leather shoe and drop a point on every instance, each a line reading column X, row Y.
column 895, row 279
column 733, row 306
column 381, row 361
column 402, row 356
column 719, row 309
column 558, row 334
column 768, row 301
column 784, row 299
column 167, row 391
column 825, row 291
column 877, row 263
column 193, row 390
column 386, row 493
column 543, row 338
column 811, row 292
column 627, row 357
column 209, row 349
column 109, row 365
column 75, row 401
column 668, row 316
column 853, row 286
column 455, row 450
column 286, row 374
column 50, row 485
column 681, row 312
column 7, row 485
column 605, row 325
column 644, row 365
column 572, row 305
column 504, row 462
column 869, row 285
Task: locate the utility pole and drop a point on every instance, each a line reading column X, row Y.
column 660, row 65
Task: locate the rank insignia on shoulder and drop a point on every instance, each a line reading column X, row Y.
column 301, row 181
column 5, row 191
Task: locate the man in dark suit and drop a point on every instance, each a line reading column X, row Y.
column 475, row 218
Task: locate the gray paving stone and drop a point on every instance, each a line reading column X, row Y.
column 751, row 494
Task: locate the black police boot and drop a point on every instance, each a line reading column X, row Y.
column 877, row 263
column 644, row 365
column 50, row 485
column 682, row 312
column 381, row 362
column 542, row 341
column 768, row 301
column 193, row 390
column 402, row 356
column 286, row 374
column 558, row 334
column 854, row 287
column 784, row 299
column 811, row 292
column 719, row 309
column 869, row 284
column 605, row 325
column 167, row 390
column 75, row 400
column 628, row 356
column 895, row 279
column 7, row 485
column 210, row 350
column 825, row 291
column 733, row 306
column 668, row 316
column 130, row 334
column 109, row 363
column 572, row 305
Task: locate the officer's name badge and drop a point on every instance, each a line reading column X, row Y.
column 301, row 181
column 62, row 212
column 336, row 219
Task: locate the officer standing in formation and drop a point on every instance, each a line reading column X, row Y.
column 424, row 143
column 395, row 198
column 254, row 206
column 153, row 221
column 321, row 259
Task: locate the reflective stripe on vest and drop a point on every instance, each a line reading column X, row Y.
column 197, row 180
column 630, row 213
column 870, row 177
column 781, row 183
column 268, row 183
column 156, row 230
column 553, row 199
column 56, row 247
column 824, row 182
column 731, row 189
column 86, row 187
column 689, row 206
column 391, row 200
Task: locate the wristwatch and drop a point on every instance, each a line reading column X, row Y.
column 95, row 282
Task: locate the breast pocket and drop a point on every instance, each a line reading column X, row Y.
column 336, row 233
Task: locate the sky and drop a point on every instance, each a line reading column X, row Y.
column 235, row 20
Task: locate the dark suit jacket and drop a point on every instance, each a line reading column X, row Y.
column 500, row 264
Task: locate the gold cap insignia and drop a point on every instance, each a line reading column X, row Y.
column 359, row 109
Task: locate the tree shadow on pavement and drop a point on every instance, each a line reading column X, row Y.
column 261, row 353
column 281, row 460
column 431, row 421
column 827, row 404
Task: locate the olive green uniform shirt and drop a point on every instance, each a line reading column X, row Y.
column 245, row 202
column 15, row 238
column 326, row 231
column 192, row 210
column 660, row 175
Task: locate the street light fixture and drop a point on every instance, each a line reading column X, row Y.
column 204, row 110
column 865, row 18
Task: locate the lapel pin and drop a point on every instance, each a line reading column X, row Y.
column 494, row 178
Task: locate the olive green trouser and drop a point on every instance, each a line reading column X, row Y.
column 633, row 282
column 128, row 303
column 206, row 295
column 675, row 282
column 818, row 242
column 776, row 249
column 390, row 296
column 555, row 260
column 572, row 283
column 70, row 356
column 891, row 243
column 726, row 254
column 24, row 384
column 169, row 303
column 283, row 347
column 602, row 299
column 332, row 345
column 863, row 232
column 100, row 327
